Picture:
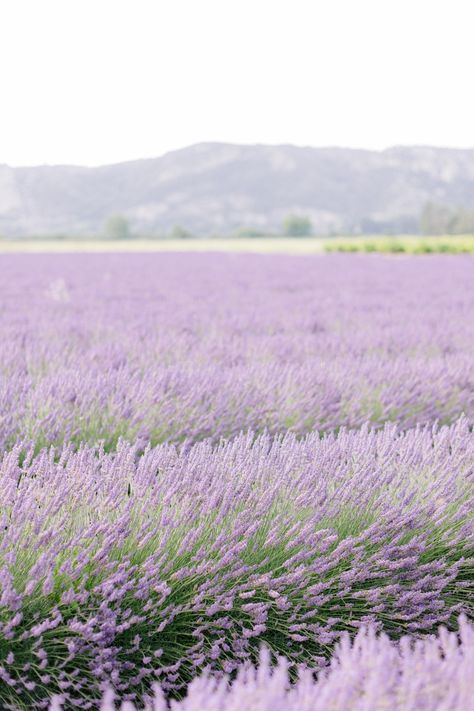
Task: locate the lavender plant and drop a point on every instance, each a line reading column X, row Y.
column 372, row 674
column 186, row 347
column 197, row 462
column 130, row 568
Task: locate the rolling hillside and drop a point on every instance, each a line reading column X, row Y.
column 215, row 188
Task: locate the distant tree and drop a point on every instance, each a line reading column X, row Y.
column 179, row 232
column 441, row 220
column 435, row 219
column 117, row 227
column 297, row 226
column 462, row 222
column 250, row 232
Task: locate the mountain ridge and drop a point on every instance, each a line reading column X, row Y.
column 217, row 188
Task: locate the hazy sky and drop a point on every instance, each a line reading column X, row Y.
column 97, row 81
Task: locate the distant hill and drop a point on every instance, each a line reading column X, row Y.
column 215, row 188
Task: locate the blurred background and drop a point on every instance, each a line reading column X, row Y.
column 180, row 120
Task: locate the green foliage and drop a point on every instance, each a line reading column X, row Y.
column 297, row 226
column 249, row 232
column 442, row 220
column 117, row 227
column 179, row 232
column 403, row 245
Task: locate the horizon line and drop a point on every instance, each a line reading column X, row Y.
column 330, row 147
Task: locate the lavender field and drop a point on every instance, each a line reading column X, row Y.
column 166, row 348
column 236, row 481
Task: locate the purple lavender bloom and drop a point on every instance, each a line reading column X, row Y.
column 204, row 454
column 370, row 674
column 166, row 347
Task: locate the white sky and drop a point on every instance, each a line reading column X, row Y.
column 99, row 81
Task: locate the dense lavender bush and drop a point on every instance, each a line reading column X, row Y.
column 126, row 563
column 171, row 347
column 373, row 674
column 127, row 570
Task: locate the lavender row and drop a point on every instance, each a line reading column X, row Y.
column 132, row 567
column 173, row 347
column 372, row 674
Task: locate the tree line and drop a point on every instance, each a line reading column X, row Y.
column 435, row 219
column 443, row 220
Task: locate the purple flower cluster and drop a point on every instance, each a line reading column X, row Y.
column 131, row 568
column 204, row 456
column 372, row 674
column 168, row 347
